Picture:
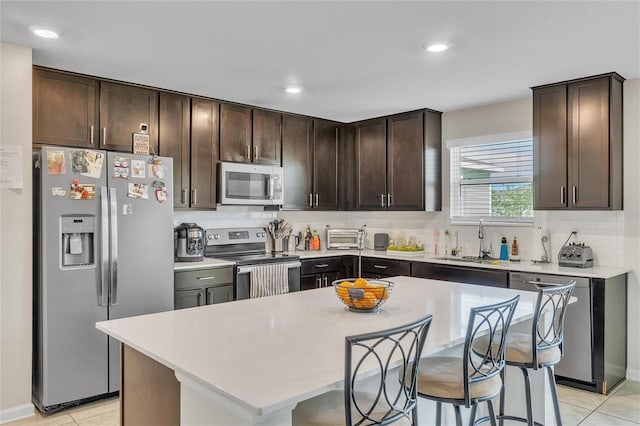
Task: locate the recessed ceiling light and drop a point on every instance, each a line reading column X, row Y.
column 437, row 47
column 293, row 89
column 45, row 33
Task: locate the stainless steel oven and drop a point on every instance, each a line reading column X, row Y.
column 247, row 248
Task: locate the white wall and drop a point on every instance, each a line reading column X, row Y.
column 15, row 239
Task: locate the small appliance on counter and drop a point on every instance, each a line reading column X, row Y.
column 188, row 242
column 575, row 255
column 380, row 242
column 344, row 238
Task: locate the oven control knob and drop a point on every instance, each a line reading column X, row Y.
column 216, row 236
column 209, row 237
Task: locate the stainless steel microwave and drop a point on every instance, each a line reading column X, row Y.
column 249, row 184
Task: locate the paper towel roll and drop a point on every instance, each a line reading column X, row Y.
column 539, row 246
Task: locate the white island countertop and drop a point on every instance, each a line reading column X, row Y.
column 268, row 353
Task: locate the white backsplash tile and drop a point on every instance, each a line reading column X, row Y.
column 604, row 231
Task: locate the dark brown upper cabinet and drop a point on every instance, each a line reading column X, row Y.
column 174, row 140
column 65, row 109
column 235, row 133
column 267, row 137
column 371, row 165
column 391, row 155
column 325, row 165
column 297, row 161
column 405, row 162
column 204, row 153
column 577, row 133
column 123, row 109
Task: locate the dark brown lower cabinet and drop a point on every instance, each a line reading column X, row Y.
column 461, row 274
column 376, row 268
column 320, row 272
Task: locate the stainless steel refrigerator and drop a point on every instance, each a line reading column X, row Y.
column 103, row 249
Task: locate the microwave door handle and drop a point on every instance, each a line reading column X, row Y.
column 270, row 190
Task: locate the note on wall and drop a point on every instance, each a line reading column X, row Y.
column 11, row 166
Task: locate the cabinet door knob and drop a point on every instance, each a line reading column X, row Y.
column 256, row 152
column 326, row 281
column 575, row 194
column 91, row 134
column 316, row 199
column 193, row 196
column 248, row 152
column 104, row 136
column 562, row 195
column 381, row 200
column 310, row 200
column 388, row 200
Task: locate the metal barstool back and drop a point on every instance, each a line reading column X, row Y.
column 493, row 322
column 547, row 333
column 385, row 351
column 552, row 301
column 471, row 378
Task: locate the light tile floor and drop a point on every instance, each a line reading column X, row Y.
column 620, row 408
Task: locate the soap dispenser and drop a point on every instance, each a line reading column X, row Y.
column 515, row 251
column 504, row 249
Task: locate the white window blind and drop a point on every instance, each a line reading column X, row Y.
column 492, row 181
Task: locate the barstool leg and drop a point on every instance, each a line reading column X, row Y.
column 438, row 413
column 503, row 377
column 527, row 390
column 472, row 416
column 415, row 415
column 456, row 408
column 554, row 395
column 492, row 414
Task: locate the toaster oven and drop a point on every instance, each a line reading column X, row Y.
column 344, row 238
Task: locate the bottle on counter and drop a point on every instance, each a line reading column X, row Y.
column 504, row 249
column 515, row 251
column 307, row 238
column 315, row 241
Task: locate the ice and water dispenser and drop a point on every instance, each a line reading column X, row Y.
column 77, row 236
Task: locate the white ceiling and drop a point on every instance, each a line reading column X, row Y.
column 355, row 60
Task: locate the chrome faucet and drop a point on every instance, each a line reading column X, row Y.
column 483, row 252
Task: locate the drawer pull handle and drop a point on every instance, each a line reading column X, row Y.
column 380, row 266
column 322, row 265
column 210, row 277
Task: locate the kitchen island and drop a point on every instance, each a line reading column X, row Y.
column 252, row 361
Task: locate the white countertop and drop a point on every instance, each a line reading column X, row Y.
column 522, row 266
column 207, row 262
column 271, row 352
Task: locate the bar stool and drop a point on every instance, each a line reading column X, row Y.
column 394, row 401
column 539, row 349
column 469, row 380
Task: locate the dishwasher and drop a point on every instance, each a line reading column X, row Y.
column 576, row 363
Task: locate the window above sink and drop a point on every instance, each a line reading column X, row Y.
column 491, row 178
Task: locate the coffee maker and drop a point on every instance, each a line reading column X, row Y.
column 188, row 242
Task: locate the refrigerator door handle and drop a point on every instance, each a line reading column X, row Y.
column 113, row 282
column 103, row 298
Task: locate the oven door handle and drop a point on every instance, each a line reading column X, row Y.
column 248, row 269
